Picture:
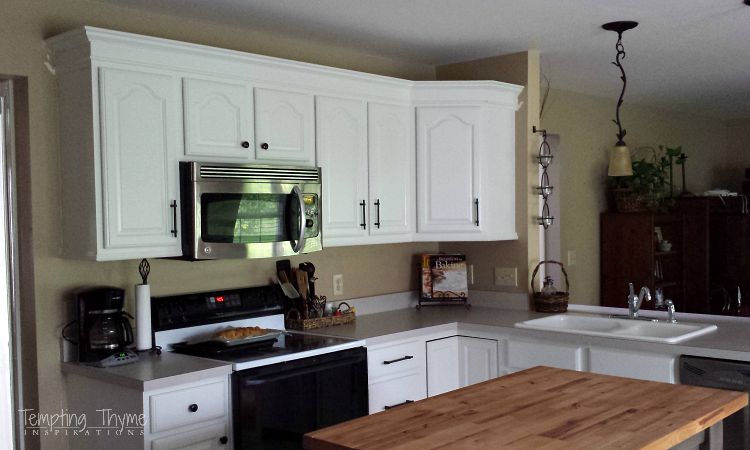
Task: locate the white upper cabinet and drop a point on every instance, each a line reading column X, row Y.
column 341, row 131
column 218, row 119
column 284, row 126
column 402, row 161
column 139, row 117
column 391, row 164
column 449, row 176
column 367, row 155
column 466, row 161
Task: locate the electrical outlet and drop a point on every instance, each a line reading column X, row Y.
column 338, row 284
column 571, row 258
column 506, row 276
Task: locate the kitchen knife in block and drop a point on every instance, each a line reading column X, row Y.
column 284, row 265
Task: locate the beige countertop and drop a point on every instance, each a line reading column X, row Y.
column 153, row 371
column 730, row 341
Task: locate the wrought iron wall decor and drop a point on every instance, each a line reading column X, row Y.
column 545, row 188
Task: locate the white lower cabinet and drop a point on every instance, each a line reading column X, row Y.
column 640, row 365
column 404, row 388
column 396, row 373
column 205, row 438
column 192, row 415
column 523, row 354
column 459, row 361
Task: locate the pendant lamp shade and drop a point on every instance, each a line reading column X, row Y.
column 620, row 163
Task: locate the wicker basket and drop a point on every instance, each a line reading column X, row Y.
column 298, row 323
column 551, row 303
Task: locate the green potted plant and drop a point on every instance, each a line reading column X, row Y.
column 648, row 188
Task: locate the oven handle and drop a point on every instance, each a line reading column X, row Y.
column 302, row 220
column 249, row 380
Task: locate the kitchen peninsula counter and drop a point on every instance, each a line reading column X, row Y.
column 153, row 371
column 541, row 407
column 730, row 341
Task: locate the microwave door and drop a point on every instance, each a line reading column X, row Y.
column 296, row 220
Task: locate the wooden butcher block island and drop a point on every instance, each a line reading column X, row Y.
column 541, row 408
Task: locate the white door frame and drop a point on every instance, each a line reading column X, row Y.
column 10, row 367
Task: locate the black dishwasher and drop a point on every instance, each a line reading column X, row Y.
column 722, row 374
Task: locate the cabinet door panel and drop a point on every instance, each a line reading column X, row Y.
column 642, row 366
column 342, row 152
column 392, row 172
column 218, row 119
column 284, row 124
column 448, row 176
column 140, row 143
column 408, row 387
column 477, row 360
column 442, row 370
column 525, row 354
column 204, row 438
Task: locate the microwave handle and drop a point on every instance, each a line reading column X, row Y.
column 296, row 248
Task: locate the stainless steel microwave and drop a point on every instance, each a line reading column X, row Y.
column 249, row 211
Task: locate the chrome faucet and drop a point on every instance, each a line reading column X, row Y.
column 670, row 311
column 634, row 301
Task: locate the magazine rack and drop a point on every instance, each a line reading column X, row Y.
column 443, row 280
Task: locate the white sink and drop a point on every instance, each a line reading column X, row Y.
column 641, row 330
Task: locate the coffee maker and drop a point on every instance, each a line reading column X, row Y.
column 104, row 331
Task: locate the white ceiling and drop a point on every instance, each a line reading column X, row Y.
column 685, row 54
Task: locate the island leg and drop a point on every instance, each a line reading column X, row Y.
column 714, row 437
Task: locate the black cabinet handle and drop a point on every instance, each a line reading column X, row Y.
column 223, row 440
column 193, row 407
column 264, row 146
column 398, row 360
column 377, row 211
column 476, row 205
column 387, row 407
column 245, row 144
column 173, row 205
column 364, row 217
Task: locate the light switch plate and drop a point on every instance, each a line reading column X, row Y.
column 506, row 276
column 338, row 284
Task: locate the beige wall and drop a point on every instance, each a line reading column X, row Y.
column 586, row 135
column 23, row 27
column 522, row 69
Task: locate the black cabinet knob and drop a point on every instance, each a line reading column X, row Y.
column 245, row 144
column 223, row 440
column 193, row 407
column 264, row 146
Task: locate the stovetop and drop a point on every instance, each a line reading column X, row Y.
column 287, row 343
column 177, row 320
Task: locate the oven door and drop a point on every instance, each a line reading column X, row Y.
column 232, row 219
column 275, row 405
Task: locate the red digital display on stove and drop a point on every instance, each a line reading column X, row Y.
column 220, row 299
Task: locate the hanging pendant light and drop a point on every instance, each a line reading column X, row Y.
column 620, row 163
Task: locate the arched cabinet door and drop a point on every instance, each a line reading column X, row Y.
column 140, row 139
column 448, row 173
column 342, row 154
column 284, row 126
column 218, row 119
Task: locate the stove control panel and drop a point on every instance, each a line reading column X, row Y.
column 179, row 311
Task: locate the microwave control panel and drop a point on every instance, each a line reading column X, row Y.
column 312, row 214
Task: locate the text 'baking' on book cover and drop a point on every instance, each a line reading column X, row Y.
column 444, row 277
